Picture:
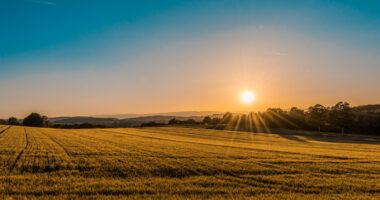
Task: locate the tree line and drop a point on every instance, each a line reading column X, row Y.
column 38, row 120
column 340, row 118
column 33, row 120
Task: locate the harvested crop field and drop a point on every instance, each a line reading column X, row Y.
column 175, row 163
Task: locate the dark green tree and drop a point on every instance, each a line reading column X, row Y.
column 35, row 120
column 296, row 112
column 341, row 115
column 13, row 121
column 318, row 115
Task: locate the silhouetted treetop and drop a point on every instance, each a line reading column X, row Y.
column 35, row 120
column 13, row 121
column 338, row 118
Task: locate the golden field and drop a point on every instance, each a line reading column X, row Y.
column 177, row 163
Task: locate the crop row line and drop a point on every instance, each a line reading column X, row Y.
column 13, row 165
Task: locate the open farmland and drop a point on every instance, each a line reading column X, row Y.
column 173, row 163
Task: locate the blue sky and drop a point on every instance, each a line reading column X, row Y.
column 41, row 39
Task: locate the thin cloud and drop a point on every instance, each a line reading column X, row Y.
column 50, row 3
column 277, row 53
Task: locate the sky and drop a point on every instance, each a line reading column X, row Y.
column 92, row 57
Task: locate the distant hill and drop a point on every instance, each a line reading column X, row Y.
column 177, row 114
column 113, row 122
column 81, row 120
column 158, row 119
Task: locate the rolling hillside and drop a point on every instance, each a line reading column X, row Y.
column 114, row 122
column 175, row 163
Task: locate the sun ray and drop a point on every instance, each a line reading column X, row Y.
column 284, row 119
column 267, row 130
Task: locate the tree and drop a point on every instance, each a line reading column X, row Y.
column 207, row 120
column 190, row 122
column 227, row 117
column 216, row 120
column 341, row 115
column 13, row 121
column 173, row 121
column 298, row 118
column 47, row 123
column 318, row 115
column 35, row 120
column 294, row 111
column 243, row 122
column 276, row 118
column 3, row 122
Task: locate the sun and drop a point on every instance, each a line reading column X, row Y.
column 247, row 97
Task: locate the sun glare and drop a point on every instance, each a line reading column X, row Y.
column 247, row 97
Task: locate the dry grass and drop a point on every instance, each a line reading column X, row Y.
column 175, row 163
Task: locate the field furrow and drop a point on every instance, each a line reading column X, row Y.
column 22, row 147
column 169, row 162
